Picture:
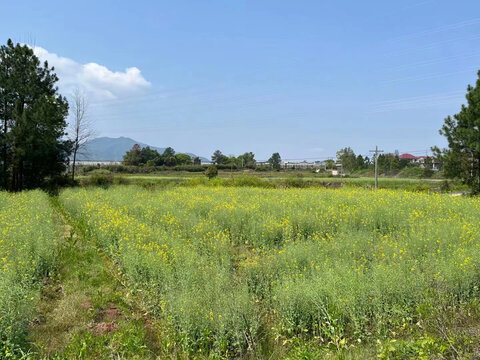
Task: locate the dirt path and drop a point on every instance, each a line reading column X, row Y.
column 85, row 311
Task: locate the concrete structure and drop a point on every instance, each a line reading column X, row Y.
column 420, row 160
column 301, row 164
column 96, row 162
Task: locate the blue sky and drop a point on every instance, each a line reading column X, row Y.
column 304, row 78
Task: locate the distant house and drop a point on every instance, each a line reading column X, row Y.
column 407, row 156
column 301, row 164
column 262, row 163
column 337, row 169
column 420, row 160
column 96, row 162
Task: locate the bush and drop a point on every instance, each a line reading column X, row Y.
column 211, row 172
column 190, row 168
column 120, row 180
column 54, row 184
column 102, row 180
column 411, row 172
column 295, row 182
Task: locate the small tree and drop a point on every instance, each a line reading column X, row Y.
column 211, row 172
column 183, row 159
column 275, row 161
column 247, row 160
column 81, row 127
column 171, row 161
column 197, row 161
column 462, row 158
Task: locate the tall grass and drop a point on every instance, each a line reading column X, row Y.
column 234, row 269
column 27, row 254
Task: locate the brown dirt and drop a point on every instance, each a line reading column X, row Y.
column 112, row 312
column 104, row 327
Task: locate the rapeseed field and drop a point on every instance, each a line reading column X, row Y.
column 28, row 239
column 230, row 270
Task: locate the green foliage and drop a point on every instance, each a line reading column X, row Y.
column 211, row 172
column 139, row 156
column 27, row 255
column 335, row 267
column 348, row 159
column 217, row 157
column 168, row 152
column 247, row 160
column 102, row 179
column 275, row 161
column 462, row 158
column 183, row 159
column 32, row 120
column 412, row 172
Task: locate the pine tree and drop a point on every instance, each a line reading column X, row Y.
column 462, row 158
column 33, row 117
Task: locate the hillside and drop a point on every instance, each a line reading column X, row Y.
column 113, row 149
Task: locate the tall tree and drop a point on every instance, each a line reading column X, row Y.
column 348, row 159
column 247, row 160
column 33, row 117
column 183, row 159
column 134, row 156
column 168, row 152
column 462, row 158
column 217, row 157
column 147, row 154
column 275, row 161
column 81, row 130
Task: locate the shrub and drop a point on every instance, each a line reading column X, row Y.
column 211, row 172
column 102, row 180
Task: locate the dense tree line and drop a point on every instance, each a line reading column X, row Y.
column 388, row 164
column 146, row 156
column 33, row 115
column 247, row 160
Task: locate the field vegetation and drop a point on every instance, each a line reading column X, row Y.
column 238, row 271
column 270, row 179
column 28, row 243
column 295, row 272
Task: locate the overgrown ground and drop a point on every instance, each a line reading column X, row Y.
column 242, row 272
column 279, row 180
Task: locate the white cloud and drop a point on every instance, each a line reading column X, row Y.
column 98, row 80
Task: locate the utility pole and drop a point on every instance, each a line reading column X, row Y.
column 376, row 151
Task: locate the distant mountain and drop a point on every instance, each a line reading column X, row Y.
column 113, row 149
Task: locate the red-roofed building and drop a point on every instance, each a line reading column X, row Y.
column 420, row 160
column 407, row 156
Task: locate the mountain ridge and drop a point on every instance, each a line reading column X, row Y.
column 112, row 149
